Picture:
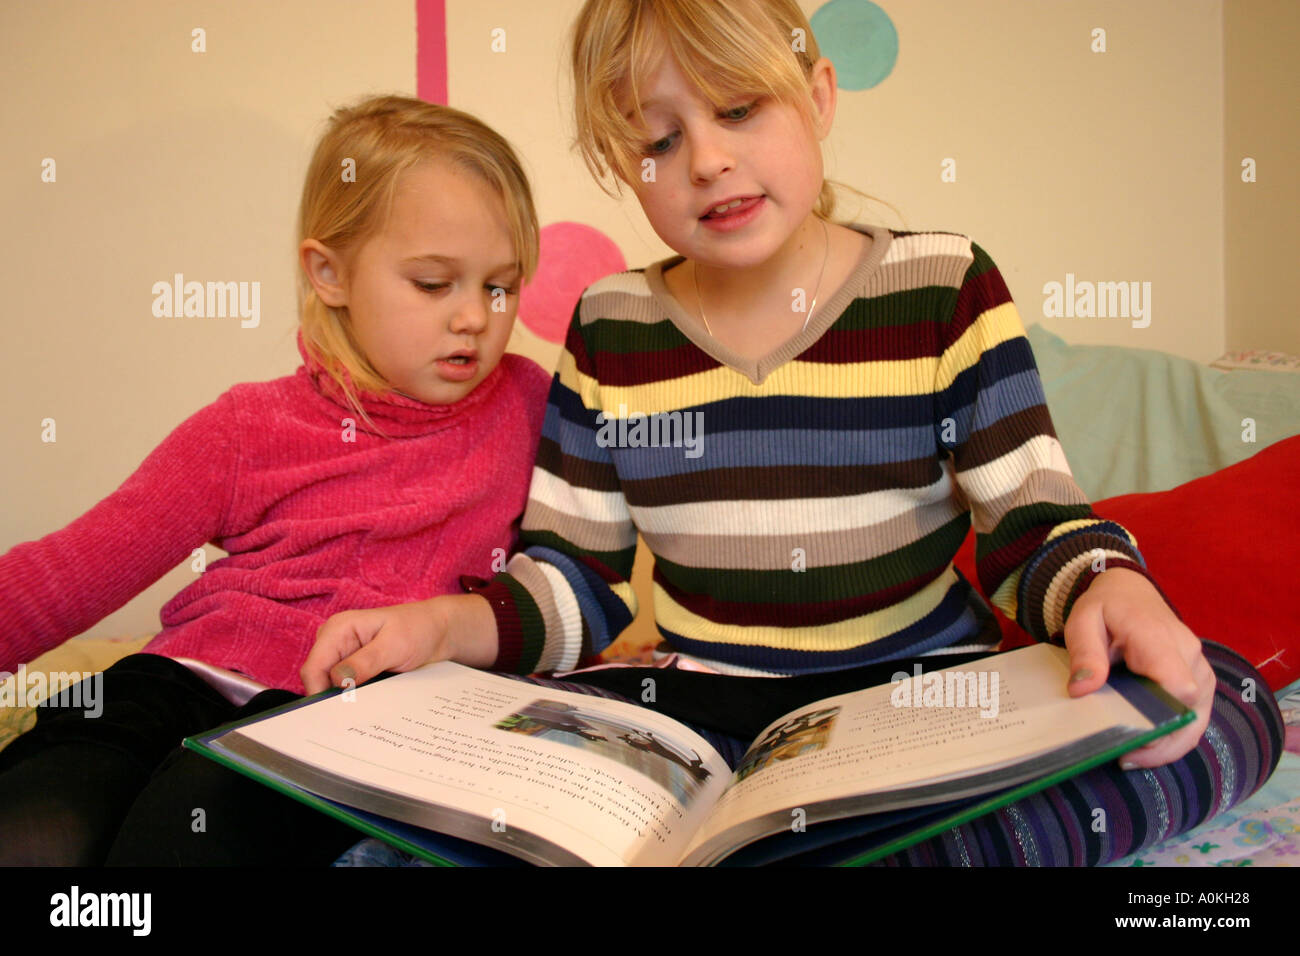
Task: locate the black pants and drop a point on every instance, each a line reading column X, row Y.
column 118, row 790
column 743, row 706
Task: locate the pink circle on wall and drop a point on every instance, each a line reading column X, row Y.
column 572, row 257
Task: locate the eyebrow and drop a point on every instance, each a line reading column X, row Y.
column 435, row 258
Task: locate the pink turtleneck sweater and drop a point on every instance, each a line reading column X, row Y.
column 313, row 524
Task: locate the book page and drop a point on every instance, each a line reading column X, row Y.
column 991, row 713
column 609, row 781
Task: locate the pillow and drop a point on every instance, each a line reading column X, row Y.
column 1134, row 420
column 1223, row 549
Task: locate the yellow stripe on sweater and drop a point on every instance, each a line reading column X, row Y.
column 840, row 636
column 993, row 327
column 801, row 379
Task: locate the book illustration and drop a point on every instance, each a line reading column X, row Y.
column 679, row 770
column 806, row 733
column 647, row 741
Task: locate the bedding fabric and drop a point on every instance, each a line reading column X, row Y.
column 1134, row 420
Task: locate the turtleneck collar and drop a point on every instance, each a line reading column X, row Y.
column 396, row 415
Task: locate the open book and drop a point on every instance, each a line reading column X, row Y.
column 459, row 765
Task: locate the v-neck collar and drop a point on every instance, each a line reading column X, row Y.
column 757, row 370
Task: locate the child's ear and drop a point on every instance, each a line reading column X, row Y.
column 325, row 271
column 822, row 86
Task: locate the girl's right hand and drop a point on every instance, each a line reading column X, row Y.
column 358, row 645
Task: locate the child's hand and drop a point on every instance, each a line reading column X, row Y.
column 1122, row 617
column 360, row 644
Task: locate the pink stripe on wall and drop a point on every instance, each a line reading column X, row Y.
column 431, row 50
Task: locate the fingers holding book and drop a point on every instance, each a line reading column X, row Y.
column 1122, row 618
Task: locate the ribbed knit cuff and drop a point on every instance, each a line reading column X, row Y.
column 1049, row 575
column 1084, row 581
column 518, row 645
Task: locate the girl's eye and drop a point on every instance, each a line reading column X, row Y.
column 439, row 286
column 659, row 146
column 735, row 114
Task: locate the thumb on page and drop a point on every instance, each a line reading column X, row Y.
column 335, row 639
column 1088, row 641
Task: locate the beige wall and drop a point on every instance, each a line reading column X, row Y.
column 1262, row 96
column 1110, row 166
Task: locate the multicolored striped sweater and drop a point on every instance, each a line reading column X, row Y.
column 803, row 509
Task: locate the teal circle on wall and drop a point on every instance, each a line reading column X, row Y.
column 859, row 38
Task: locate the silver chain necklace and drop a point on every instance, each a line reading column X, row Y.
column 695, row 273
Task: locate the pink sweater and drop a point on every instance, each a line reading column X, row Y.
column 313, row 524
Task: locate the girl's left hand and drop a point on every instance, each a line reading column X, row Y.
column 1122, row 617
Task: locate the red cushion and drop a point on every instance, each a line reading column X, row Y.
column 1223, row 548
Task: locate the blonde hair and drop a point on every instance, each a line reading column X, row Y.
column 379, row 139
column 726, row 50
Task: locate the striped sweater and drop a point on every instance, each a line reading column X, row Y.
column 803, row 509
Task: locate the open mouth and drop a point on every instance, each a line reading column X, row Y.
column 460, row 367
column 733, row 208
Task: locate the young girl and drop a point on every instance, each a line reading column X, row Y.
column 846, row 448
column 396, row 457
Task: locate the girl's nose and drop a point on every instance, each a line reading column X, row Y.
column 711, row 155
column 471, row 315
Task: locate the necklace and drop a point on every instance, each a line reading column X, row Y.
column 699, row 299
